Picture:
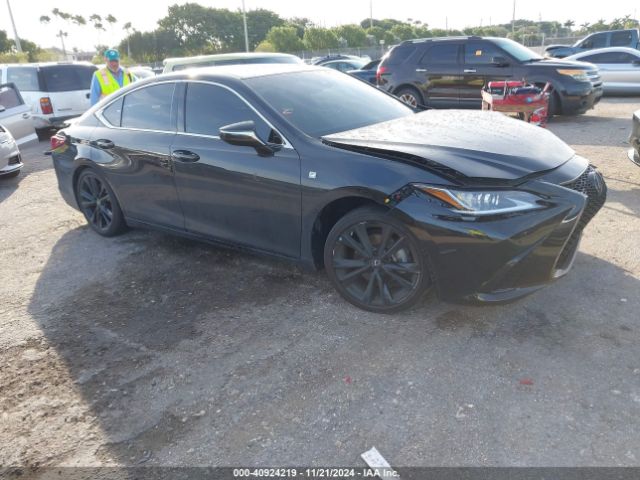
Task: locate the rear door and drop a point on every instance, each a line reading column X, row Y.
column 617, row 69
column 15, row 115
column 439, row 71
column 68, row 87
column 479, row 70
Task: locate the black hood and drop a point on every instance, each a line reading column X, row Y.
column 474, row 144
column 562, row 63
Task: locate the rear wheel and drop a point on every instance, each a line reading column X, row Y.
column 99, row 204
column 375, row 262
column 410, row 96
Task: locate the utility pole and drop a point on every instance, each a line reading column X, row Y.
column 370, row 13
column 15, row 31
column 62, row 34
column 513, row 19
column 246, row 34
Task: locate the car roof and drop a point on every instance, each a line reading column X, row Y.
column 227, row 56
column 594, row 51
column 241, row 72
column 46, row 64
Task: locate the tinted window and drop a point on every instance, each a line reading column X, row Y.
column 324, row 101
column 481, row 53
column 398, row 55
column 9, row 97
column 598, row 40
column 25, row 78
column 209, row 107
column 516, row 50
column 441, row 54
column 113, row 113
column 610, row 57
column 149, row 108
column 67, row 78
column 620, row 39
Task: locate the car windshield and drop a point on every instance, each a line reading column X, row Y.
column 322, row 102
column 517, row 51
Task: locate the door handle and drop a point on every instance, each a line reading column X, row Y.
column 185, row 156
column 88, row 95
column 103, row 143
column 26, row 115
column 469, row 70
column 421, row 69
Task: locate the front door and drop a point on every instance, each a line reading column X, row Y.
column 479, row 69
column 230, row 192
column 15, row 115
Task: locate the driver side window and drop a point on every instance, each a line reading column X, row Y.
column 209, row 107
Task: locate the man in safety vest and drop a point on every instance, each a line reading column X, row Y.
column 110, row 78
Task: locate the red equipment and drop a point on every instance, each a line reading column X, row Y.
column 529, row 102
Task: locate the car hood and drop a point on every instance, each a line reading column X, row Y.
column 563, row 63
column 475, row 144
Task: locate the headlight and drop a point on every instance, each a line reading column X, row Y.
column 580, row 75
column 488, row 202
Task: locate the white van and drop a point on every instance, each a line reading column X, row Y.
column 55, row 91
column 182, row 63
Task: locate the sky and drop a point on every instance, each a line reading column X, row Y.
column 143, row 15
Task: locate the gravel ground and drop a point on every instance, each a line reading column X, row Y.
column 152, row 350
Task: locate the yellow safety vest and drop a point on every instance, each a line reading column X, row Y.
column 108, row 83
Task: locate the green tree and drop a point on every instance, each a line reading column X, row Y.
column 380, row 33
column 5, row 43
column 316, row 38
column 259, row 23
column 354, row 35
column 403, row 31
column 283, row 39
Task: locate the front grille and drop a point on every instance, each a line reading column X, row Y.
column 592, row 185
column 15, row 160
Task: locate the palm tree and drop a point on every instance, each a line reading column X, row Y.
column 127, row 28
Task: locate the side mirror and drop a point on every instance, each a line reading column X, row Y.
column 244, row 134
column 499, row 62
column 2, row 109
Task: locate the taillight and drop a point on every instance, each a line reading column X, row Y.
column 58, row 141
column 45, row 105
column 381, row 71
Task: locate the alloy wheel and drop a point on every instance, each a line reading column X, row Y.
column 95, row 201
column 409, row 99
column 376, row 264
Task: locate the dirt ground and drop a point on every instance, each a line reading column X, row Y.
column 147, row 349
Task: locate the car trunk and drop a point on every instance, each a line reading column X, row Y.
column 68, row 88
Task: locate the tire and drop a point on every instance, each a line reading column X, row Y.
column 98, row 203
column 410, row 96
column 555, row 107
column 385, row 273
column 10, row 175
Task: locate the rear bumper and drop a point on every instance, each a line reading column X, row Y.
column 501, row 259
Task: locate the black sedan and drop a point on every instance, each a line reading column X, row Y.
column 283, row 159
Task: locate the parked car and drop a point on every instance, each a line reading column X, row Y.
column 10, row 159
column 450, row 73
column 15, row 115
column 177, row 64
column 334, row 56
column 619, row 68
column 634, row 139
column 55, row 91
column 140, row 72
column 367, row 72
column 283, row 159
column 612, row 38
column 345, row 65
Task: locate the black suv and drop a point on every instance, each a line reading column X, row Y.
column 450, row 72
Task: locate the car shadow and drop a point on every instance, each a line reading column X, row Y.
column 173, row 343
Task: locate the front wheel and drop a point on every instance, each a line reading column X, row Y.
column 375, row 262
column 99, row 204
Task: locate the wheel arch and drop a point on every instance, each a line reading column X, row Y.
column 412, row 86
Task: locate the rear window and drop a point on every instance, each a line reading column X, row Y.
column 399, row 54
column 25, row 78
column 445, row 53
column 67, row 78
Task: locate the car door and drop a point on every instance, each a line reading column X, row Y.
column 15, row 115
column 438, row 72
column 593, row 41
column 481, row 67
column 133, row 145
column 230, row 192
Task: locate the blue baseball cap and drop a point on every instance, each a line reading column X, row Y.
column 112, row 54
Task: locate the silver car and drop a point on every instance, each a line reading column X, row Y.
column 619, row 68
column 16, row 129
